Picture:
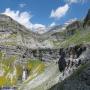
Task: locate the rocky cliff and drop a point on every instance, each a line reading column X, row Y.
column 87, row 19
column 74, row 64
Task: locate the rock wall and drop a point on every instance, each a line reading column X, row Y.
column 74, row 65
column 79, row 80
column 23, row 53
column 87, row 19
column 71, row 56
column 61, row 54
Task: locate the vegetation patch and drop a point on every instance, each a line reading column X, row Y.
column 80, row 36
column 11, row 73
column 35, row 67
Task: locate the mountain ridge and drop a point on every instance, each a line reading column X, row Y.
column 21, row 49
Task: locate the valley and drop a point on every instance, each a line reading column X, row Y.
column 49, row 61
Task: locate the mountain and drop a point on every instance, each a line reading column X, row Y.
column 87, row 19
column 79, row 79
column 13, row 33
column 32, row 61
column 16, row 34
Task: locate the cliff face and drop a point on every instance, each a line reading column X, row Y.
column 74, row 64
column 23, row 53
column 87, row 19
column 69, row 56
column 71, row 28
column 79, row 80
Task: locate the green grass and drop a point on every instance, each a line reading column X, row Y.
column 80, row 37
column 35, row 67
column 7, row 65
column 8, row 43
column 12, row 36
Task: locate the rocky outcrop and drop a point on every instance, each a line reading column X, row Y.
column 79, row 80
column 69, row 55
column 62, row 61
column 87, row 19
column 63, row 55
column 74, row 25
column 71, row 28
column 23, row 53
column 74, row 64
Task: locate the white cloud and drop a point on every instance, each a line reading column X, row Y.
column 38, row 25
column 39, row 28
column 62, row 10
column 59, row 12
column 21, row 5
column 76, row 1
column 23, row 18
column 52, row 24
column 72, row 1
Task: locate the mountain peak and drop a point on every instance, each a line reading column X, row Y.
column 4, row 17
column 87, row 19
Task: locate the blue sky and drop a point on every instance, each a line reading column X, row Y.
column 46, row 12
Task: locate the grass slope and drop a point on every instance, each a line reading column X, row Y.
column 8, row 66
column 80, row 37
